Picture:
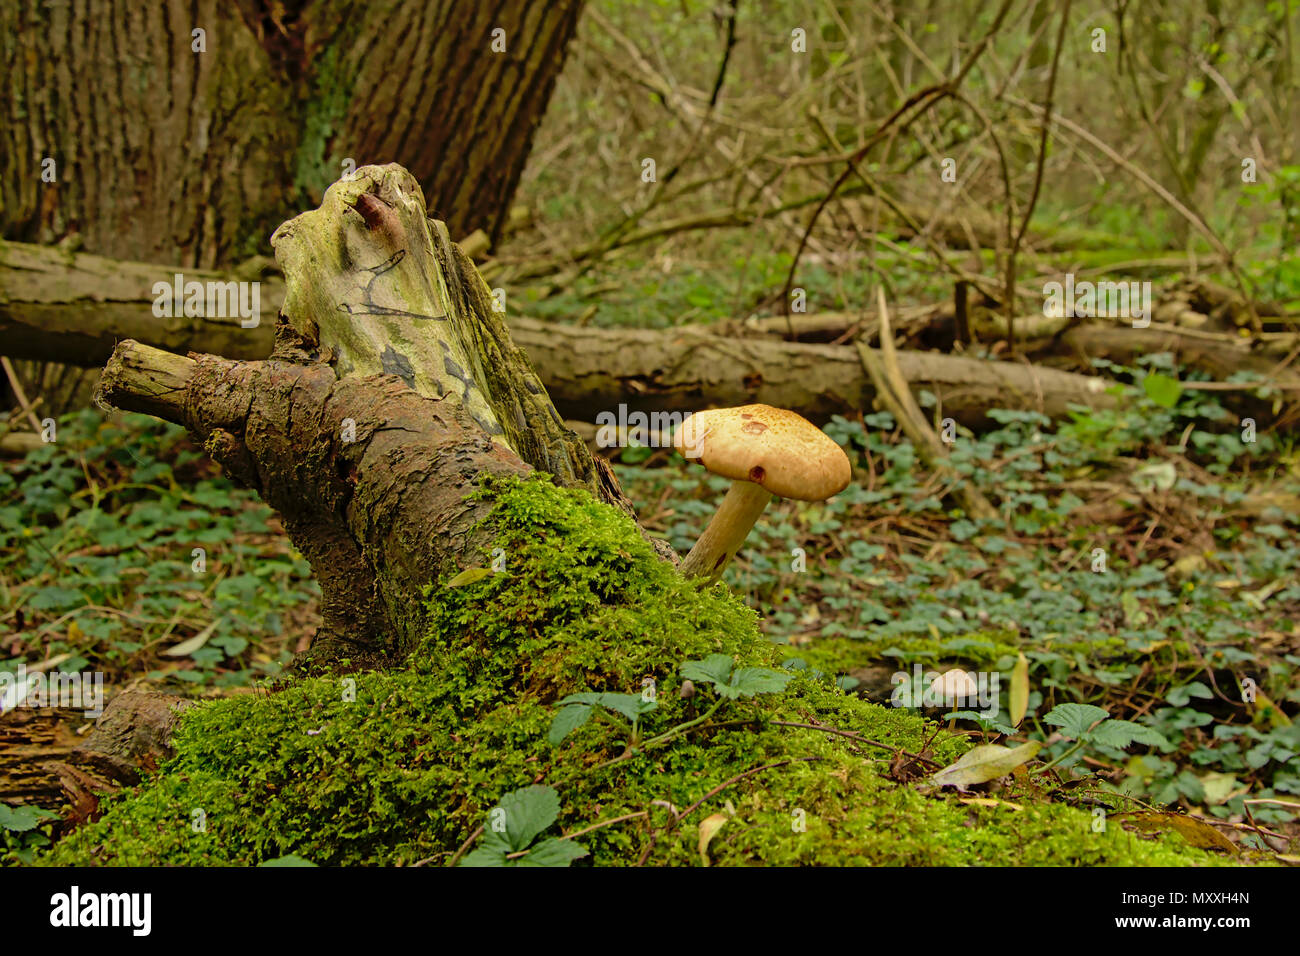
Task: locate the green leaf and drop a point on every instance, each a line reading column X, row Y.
column 290, row 860
column 984, row 763
column 1162, row 389
column 24, row 818
column 1179, row 696
column 525, row 813
column 568, row 720
column 56, row 598
column 528, row 812
column 748, row 681
column 714, row 669
column 630, row 706
column 469, row 576
column 552, row 852
column 486, row 856
column 1121, row 733
column 1074, row 719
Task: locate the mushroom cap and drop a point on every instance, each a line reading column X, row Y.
column 953, row 684
column 775, row 448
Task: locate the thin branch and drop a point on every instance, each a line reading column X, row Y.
column 1009, row 305
column 922, row 100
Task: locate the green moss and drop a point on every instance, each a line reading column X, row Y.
column 406, row 767
column 839, row 654
column 322, row 115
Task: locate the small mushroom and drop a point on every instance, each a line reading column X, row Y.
column 765, row 451
column 951, row 686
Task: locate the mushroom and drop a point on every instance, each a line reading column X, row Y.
column 765, row 451
column 954, row 685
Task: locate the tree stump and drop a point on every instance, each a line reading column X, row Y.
column 392, row 389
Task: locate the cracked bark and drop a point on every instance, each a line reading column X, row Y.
column 172, row 155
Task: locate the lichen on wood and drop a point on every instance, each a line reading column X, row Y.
column 380, row 288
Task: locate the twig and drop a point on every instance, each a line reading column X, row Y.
column 19, row 393
column 478, row 831
column 924, row 99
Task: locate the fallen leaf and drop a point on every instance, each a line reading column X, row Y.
column 186, row 648
column 1019, row 690
column 1270, row 712
column 990, row 802
column 984, row 763
column 709, row 826
column 468, row 576
column 1198, row 834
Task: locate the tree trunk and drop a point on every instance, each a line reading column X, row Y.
column 166, row 152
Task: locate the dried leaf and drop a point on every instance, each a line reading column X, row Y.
column 990, row 802
column 186, row 648
column 1198, row 834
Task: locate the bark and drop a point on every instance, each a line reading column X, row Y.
column 173, row 155
column 73, row 308
column 376, row 507
column 31, row 741
column 591, row 371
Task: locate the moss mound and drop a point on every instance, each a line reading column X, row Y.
column 395, row 768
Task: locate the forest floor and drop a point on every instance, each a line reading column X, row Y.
column 1140, row 566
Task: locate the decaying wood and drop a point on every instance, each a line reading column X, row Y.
column 57, row 306
column 589, row 371
column 32, row 742
column 393, row 388
column 54, row 756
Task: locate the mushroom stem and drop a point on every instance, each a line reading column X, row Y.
column 725, row 534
